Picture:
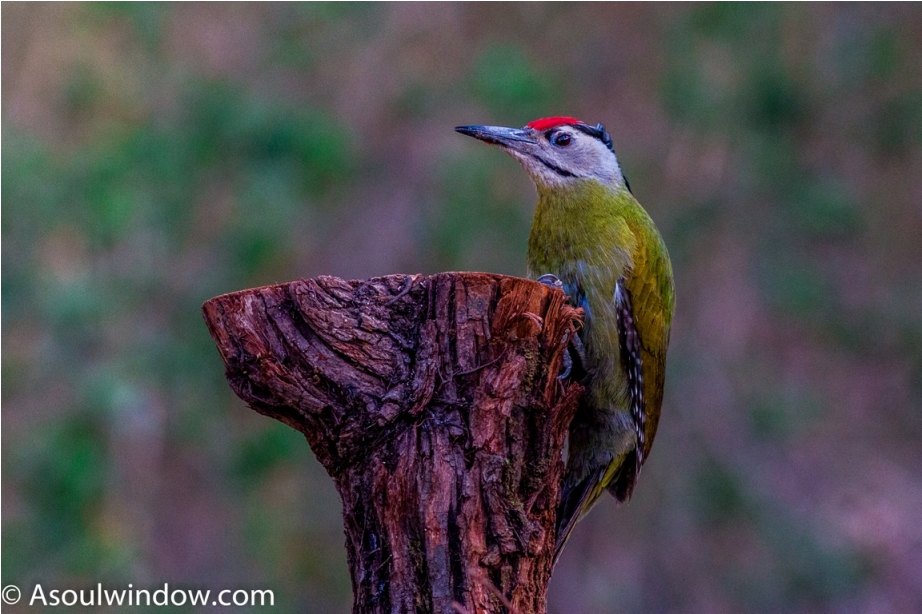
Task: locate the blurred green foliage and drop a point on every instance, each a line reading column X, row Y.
column 481, row 220
column 101, row 247
column 509, row 85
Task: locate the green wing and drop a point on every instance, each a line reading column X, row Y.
column 652, row 296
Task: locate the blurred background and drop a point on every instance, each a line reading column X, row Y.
column 157, row 155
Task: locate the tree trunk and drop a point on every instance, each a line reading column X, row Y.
column 433, row 403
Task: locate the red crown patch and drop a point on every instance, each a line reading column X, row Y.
column 550, row 122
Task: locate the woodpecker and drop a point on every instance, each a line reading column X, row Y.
column 591, row 238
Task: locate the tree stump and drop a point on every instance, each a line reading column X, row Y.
column 434, row 405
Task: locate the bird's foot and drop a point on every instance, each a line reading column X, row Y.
column 549, row 279
column 567, row 367
column 575, row 347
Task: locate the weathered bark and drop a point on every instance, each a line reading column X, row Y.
column 434, row 405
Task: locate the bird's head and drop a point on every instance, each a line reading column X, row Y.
column 557, row 151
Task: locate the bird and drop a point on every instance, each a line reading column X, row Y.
column 591, row 238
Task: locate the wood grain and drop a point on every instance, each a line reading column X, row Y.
column 433, row 403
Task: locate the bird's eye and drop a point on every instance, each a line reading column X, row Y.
column 561, row 139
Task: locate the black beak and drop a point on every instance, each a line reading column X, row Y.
column 497, row 135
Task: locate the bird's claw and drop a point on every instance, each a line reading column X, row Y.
column 575, row 346
column 567, row 365
column 549, row 279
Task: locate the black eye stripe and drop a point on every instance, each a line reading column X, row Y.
column 554, row 167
